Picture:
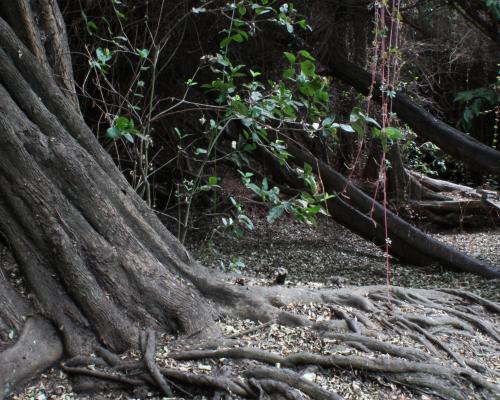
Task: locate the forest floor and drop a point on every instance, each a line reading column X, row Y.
column 323, row 256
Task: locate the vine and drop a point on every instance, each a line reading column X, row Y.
column 385, row 70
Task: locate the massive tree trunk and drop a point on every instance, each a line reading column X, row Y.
column 99, row 263
column 101, row 269
column 95, row 255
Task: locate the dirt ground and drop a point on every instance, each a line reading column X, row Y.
column 328, row 254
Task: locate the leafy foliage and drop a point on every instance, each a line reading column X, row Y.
column 477, row 101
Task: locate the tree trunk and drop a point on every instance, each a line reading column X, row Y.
column 96, row 257
column 406, row 240
column 99, row 263
column 476, row 155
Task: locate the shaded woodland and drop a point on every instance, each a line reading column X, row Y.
column 122, row 124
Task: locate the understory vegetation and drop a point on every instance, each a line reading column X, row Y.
column 249, row 199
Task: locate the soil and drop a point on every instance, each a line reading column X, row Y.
column 325, row 255
column 330, row 255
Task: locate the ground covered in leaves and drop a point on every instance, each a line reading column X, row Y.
column 330, row 255
column 322, row 256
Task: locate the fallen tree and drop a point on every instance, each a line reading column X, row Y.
column 407, row 242
column 105, row 274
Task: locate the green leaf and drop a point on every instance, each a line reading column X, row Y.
column 103, row 55
column 239, row 107
column 226, row 41
column 290, row 57
column 288, row 73
column 308, row 68
column 123, row 123
column 129, row 137
column 346, row 128
column 393, row 134
column 255, row 74
column 113, row 133
column 313, row 209
column 91, row 26
column 238, row 38
column 275, row 213
column 303, row 24
column 307, row 55
column 143, row 53
column 323, row 96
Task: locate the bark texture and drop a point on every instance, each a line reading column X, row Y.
column 37, row 345
column 95, row 256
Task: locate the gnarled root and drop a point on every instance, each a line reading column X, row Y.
column 410, row 337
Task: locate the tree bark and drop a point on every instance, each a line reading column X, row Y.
column 98, row 261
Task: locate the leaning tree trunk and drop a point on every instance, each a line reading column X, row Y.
column 476, row 155
column 367, row 217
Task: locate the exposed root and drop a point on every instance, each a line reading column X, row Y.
column 363, row 319
column 374, row 345
column 414, row 341
column 293, row 379
column 489, row 305
column 252, row 330
column 149, row 359
column 38, row 347
column 445, row 375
